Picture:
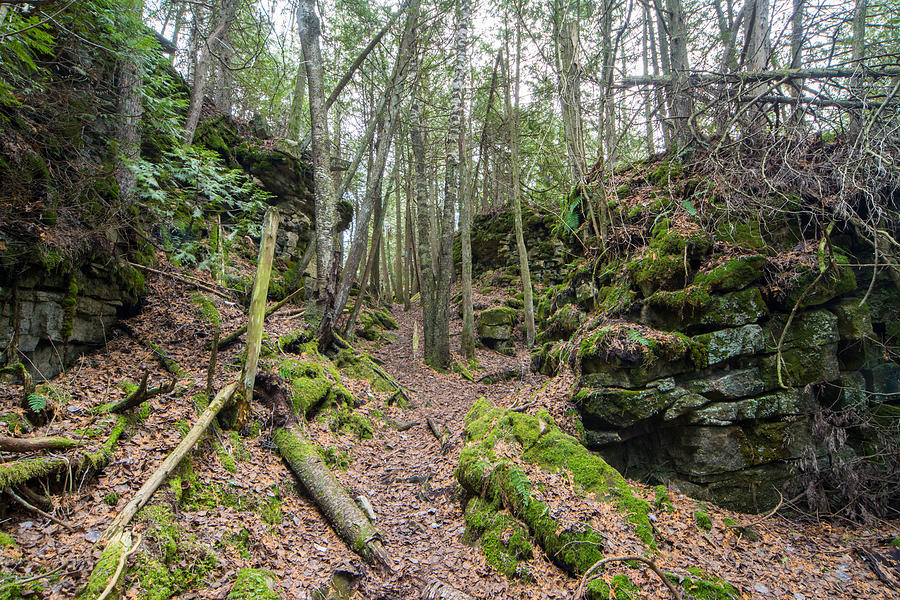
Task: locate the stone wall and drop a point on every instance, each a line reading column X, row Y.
column 678, row 367
column 494, row 245
column 55, row 317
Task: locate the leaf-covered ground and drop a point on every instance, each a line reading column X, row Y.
column 237, row 505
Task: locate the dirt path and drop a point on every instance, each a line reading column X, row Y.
column 407, row 477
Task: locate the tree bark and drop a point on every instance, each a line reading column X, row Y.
column 345, row 516
column 257, row 315
column 14, row 444
column 130, row 108
column 201, row 75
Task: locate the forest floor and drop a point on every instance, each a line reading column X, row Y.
column 259, row 516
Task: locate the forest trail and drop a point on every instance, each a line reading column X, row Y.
column 236, row 505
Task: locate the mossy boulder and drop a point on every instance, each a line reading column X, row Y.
column 693, row 309
column 495, row 327
column 732, row 274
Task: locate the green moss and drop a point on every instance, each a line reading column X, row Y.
column 253, row 584
column 175, row 562
column 499, row 315
column 666, row 172
column 746, row 235
column 335, row 458
column 662, row 501
column 6, row 541
column 206, row 309
column 103, row 571
column 361, row 367
column 703, row 586
column 503, row 540
column 895, row 543
column 623, row 588
column 655, row 271
column 733, row 274
column 346, row 420
column 701, row 516
column 112, row 498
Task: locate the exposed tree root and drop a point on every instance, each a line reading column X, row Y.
column 33, row 508
column 138, row 396
column 107, row 572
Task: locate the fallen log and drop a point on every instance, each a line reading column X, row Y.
column 348, row 520
column 441, row 436
column 14, row 444
column 228, row 294
column 108, row 570
column 19, row 472
column 170, row 463
column 235, row 335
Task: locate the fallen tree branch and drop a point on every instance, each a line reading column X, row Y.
column 33, row 508
column 579, row 592
column 232, row 337
column 441, row 436
column 216, row 289
column 14, row 444
column 170, row 463
column 119, row 567
column 139, row 396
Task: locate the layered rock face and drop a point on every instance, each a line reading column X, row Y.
column 50, row 318
column 280, row 169
column 704, row 371
column 494, row 245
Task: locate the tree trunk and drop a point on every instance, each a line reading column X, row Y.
column 295, row 116
column 512, row 115
column 325, row 199
column 201, row 75
column 681, row 101
column 128, row 136
column 858, row 53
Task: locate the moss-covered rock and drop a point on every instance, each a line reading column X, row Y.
column 253, row 584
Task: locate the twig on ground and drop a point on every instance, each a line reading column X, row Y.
column 33, row 508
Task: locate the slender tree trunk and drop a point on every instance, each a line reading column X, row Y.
column 222, row 50
column 326, row 201
column 512, row 115
column 681, row 102
column 398, row 266
column 201, row 76
column 858, row 54
column 295, row 116
column 128, row 136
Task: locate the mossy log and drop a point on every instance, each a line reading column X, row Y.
column 342, row 512
column 14, row 444
column 18, row 472
column 104, row 579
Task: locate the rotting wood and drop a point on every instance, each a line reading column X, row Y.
column 14, row 444
column 235, row 335
column 442, row 436
column 170, row 463
column 257, row 316
column 504, row 375
column 442, row 591
column 105, row 575
column 230, row 294
column 119, row 568
column 348, row 520
column 407, row 426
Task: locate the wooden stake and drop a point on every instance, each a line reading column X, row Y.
column 257, row 315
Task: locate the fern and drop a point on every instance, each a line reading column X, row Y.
column 37, row 402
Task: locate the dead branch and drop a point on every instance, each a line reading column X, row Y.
column 579, row 592
column 33, row 508
column 232, row 337
column 118, row 573
column 441, row 436
column 229, row 294
column 142, row 394
column 14, row 444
